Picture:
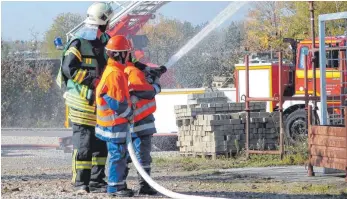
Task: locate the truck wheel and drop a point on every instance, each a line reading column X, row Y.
column 295, row 125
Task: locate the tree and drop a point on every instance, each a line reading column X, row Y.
column 166, row 36
column 265, row 27
column 61, row 25
column 214, row 55
column 269, row 22
column 233, row 47
column 298, row 21
column 29, row 97
column 5, row 49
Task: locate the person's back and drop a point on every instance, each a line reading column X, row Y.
column 143, row 96
column 146, row 105
column 114, row 113
column 82, row 64
column 113, row 86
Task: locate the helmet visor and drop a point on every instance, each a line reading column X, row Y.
column 88, row 32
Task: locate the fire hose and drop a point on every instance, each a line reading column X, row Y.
column 146, row 177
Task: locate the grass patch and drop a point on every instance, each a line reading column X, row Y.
column 192, row 164
column 296, row 155
column 274, row 188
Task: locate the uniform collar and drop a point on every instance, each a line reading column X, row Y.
column 130, row 64
column 116, row 64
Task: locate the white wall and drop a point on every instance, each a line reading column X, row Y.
column 259, row 85
column 165, row 119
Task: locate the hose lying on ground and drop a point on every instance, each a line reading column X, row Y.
column 149, row 180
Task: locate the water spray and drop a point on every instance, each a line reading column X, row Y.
column 228, row 12
column 217, row 21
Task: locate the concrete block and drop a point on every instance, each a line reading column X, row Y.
column 264, row 114
column 253, row 131
column 192, row 102
column 208, row 109
column 260, row 130
column 211, row 105
column 218, row 128
column 214, row 95
column 234, row 121
column 228, row 128
column 225, row 105
column 208, row 128
column 219, row 105
column 271, row 136
column 269, row 125
column 256, row 120
column 220, row 94
column 219, row 109
column 234, row 116
column 239, row 126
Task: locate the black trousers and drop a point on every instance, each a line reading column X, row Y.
column 89, row 155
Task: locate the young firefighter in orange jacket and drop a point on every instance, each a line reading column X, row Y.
column 142, row 94
column 114, row 113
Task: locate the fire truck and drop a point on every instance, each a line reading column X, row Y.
column 263, row 81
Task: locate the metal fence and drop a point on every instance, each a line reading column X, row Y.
column 333, row 67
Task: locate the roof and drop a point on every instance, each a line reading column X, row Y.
column 335, row 39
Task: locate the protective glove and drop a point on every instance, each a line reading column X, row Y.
column 157, row 88
column 149, row 79
column 134, row 99
column 156, row 81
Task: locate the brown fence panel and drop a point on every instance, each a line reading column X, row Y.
column 327, row 146
column 329, row 141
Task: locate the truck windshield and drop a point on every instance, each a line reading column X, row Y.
column 332, row 60
column 302, row 57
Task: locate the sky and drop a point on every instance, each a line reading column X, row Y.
column 20, row 18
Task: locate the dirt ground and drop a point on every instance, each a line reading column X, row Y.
column 45, row 173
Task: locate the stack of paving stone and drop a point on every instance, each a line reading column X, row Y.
column 210, row 125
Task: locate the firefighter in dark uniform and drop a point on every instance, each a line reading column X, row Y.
column 83, row 62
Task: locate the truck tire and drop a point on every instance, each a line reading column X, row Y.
column 295, row 125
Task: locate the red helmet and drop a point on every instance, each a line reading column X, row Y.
column 118, row 43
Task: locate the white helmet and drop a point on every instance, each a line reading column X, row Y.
column 99, row 13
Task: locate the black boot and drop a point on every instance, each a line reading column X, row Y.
column 123, row 193
column 145, row 188
column 81, row 190
column 98, row 187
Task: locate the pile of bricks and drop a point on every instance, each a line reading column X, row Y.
column 210, row 125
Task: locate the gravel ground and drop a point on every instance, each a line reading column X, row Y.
column 29, row 140
column 45, row 173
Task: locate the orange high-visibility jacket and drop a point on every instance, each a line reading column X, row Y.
column 138, row 84
column 146, row 106
column 112, row 124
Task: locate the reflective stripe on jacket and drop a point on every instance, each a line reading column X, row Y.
column 80, row 64
column 115, row 134
column 144, row 127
